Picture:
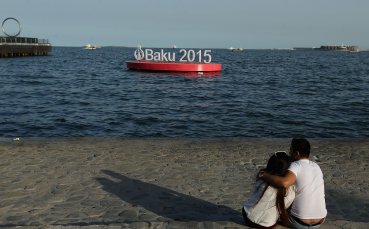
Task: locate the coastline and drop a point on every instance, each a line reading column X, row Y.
column 162, row 182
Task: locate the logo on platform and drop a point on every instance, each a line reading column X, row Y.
column 139, row 53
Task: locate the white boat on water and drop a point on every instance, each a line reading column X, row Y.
column 235, row 49
column 91, row 47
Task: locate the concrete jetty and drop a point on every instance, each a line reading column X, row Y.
column 23, row 46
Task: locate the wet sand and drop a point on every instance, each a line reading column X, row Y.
column 162, row 183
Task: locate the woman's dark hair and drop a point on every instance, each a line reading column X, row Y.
column 278, row 165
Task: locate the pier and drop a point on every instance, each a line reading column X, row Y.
column 23, row 46
column 11, row 45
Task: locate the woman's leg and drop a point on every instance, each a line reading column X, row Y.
column 251, row 224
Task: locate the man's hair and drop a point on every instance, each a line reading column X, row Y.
column 302, row 145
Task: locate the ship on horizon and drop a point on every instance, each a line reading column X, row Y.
column 345, row 48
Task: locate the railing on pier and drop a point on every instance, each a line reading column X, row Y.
column 24, row 46
column 22, row 40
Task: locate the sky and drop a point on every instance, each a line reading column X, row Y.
column 249, row 24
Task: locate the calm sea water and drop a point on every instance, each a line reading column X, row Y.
column 76, row 92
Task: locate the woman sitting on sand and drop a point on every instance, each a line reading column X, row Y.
column 268, row 204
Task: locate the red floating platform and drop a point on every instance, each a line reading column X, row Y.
column 174, row 66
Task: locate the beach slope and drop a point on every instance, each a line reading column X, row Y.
column 162, row 183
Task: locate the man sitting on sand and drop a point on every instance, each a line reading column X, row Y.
column 308, row 210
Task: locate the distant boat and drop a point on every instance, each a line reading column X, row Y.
column 235, row 49
column 91, row 47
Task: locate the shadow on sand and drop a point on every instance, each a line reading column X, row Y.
column 344, row 206
column 165, row 202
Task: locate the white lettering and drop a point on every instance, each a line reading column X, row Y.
column 148, row 54
column 164, row 55
column 207, row 55
column 199, row 55
column 173, row 58
column 183, row 58
column 157, row 56
column 190, row 55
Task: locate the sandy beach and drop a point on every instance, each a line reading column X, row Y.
column 162, row 183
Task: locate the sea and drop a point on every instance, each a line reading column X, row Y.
column 260, row 93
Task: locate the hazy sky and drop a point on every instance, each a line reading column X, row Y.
column 193, row 23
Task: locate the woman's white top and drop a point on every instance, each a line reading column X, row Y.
column 261, row 209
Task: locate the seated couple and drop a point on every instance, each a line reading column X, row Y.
column 289, row 193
